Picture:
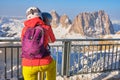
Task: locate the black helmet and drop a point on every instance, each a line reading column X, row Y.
column 47, row 18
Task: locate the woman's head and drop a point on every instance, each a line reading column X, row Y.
column 33, row 12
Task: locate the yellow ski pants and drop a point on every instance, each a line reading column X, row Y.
column 31, row 72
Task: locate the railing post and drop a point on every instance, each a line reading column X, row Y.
column 66, row 58
column 41, row 75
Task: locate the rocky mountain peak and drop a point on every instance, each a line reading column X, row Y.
column 92, row 24
column 55, row 20
column 65, row 21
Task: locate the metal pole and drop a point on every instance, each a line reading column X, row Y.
column 41, row 76
column 65, row 59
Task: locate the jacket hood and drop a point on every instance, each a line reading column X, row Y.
column 35, row 21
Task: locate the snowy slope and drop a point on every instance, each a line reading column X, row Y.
column 62, row 32
column 116, row 24
column 11, row 26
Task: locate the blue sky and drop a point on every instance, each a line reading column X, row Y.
column 69, row 7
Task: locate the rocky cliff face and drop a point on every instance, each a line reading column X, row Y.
column 65, row 21
column 92, row 24
column 55, row 20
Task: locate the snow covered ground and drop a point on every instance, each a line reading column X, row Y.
column 115, row 75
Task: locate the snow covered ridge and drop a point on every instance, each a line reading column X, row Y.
column 11, row 26
column 116, row 24
column 65, row 28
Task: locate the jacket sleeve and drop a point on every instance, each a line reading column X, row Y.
column 51, row 36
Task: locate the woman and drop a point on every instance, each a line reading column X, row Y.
column 31, row 67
